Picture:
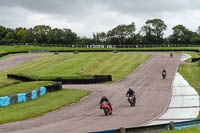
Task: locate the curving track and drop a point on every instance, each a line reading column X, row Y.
column 153, row 96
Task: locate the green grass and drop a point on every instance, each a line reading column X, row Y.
column 23, row 87
column 46, row 103
column 186, row 130
column 4, row 49
column 193, row 54
column 81, row 65
column 191, row 72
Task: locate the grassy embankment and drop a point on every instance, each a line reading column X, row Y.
column 119, row 65
column 191, row 71
column 80, row 65
column 49, row 102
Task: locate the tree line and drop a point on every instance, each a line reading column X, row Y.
column 152, row 32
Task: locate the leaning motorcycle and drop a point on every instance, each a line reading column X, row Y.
column 164, row 74
column 132, row 100
column 106, row 108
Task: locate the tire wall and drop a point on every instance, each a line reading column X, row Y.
column 21, row 97
column 95, row 79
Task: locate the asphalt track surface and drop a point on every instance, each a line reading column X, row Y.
column 17, row 60
column 152, row 92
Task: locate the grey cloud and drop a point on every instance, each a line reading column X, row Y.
column 88, row 16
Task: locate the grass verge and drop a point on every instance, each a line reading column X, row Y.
column 23, row 87
column 4, row 49
column 186, row 130
column 46, row 103
column 191, row 72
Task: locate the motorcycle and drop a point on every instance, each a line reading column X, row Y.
column 106, row 108
column 171, row 55
column 132, row 100
column 164, row 74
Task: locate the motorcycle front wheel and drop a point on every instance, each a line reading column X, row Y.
column 105, row 111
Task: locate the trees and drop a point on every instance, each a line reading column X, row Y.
column 100, row 38
column 40, row 33
column 10, row 36
column 61, row 36
column 3, row 33
column 153, row 31
column 122, row 33
column 182, row 35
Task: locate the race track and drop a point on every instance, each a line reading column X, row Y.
column 153, row 96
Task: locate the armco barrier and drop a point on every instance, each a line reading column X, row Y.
column 95, row 79
column 186, row 124
column 154, row 128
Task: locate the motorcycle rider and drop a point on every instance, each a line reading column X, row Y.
column 171, row 55
column 130, row 93
column 104, row 98
column 164, row 73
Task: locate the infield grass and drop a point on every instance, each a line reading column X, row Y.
column 4, row 49
column 191, row 71
column 49, row 102
column 82, row 65
column 23, row 87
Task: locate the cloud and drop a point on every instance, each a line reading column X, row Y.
column 88, row 16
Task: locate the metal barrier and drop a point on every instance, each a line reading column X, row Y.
column 108, row 46
column 154, row 128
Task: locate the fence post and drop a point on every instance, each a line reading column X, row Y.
column 122, row 130
column 172, row 125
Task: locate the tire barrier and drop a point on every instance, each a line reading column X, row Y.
column 195, row 59
column 4, row 101
column 93, row 80
column 22, row 97
column 7, row 53
column 55, row 87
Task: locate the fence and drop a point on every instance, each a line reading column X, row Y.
column 111, row 46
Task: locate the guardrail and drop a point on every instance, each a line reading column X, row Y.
column 154, row 128
column 106, row 46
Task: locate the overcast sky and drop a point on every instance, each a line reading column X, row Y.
column 88, row 16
